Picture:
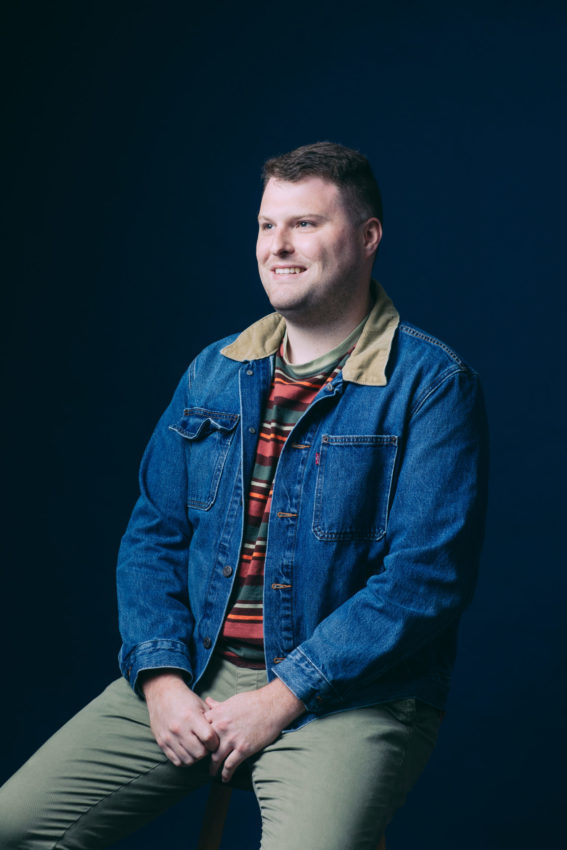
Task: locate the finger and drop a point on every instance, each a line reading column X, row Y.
column 184, row 751
column 206, row 734
column 172, row 756
column 211, row 716
column 175, row 757
column 215, row 764
column 218, row 757
column 232, row 761
column 211, row 702
column 194, row 749
column 179, row 756
column 170, row 748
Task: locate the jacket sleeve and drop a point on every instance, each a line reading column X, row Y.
column 155, row 617
column 433, row 542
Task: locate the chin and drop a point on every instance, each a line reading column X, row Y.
column 296, row 312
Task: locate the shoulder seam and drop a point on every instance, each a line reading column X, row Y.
column 433, row 341
column 441, row 379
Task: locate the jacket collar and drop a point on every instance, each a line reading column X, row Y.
column 367, row 363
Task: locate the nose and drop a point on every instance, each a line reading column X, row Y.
column 281, row 242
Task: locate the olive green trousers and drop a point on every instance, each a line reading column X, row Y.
column 331, row 785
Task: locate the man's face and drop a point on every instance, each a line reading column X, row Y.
column 311, row 256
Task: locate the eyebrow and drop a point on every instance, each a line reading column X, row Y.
column 297, row 217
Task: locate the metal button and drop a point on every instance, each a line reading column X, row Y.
column 227, row 571
column 249, row 371
column 329, row 388
column 207, row 642
column 252, row 429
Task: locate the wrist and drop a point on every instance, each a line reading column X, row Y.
column 284, row 703
column 152, row 681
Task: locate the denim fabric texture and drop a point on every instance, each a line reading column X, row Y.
column 375, row 528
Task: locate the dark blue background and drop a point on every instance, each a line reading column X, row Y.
column 134, row 143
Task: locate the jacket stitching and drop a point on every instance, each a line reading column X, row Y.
column 433, row 387
column 433, row 341
column 320, row 672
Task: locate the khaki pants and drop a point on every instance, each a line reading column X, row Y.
column 331, row 785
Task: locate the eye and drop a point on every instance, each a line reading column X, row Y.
column 266, row 225
column 304, row 223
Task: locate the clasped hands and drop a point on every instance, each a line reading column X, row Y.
column 188, row 728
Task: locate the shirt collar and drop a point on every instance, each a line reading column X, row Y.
column 367, row 363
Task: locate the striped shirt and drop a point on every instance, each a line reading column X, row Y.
column 292, row 391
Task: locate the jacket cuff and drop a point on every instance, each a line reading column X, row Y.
column 153, row 655
column 306, row 681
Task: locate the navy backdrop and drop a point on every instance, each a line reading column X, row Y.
column 136, row 135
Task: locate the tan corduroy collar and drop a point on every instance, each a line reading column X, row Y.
column 367, row 363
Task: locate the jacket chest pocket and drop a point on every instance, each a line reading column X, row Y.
column 209, row 434
column 352, row 491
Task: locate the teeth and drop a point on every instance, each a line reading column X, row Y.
column 295, row 270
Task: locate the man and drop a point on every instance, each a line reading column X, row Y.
column 292, row 576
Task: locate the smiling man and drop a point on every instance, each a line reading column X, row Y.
column 291, row 580
column 315, row 257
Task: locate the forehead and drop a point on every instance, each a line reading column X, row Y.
column 310, row 195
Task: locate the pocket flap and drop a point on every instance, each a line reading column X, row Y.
column 197, row 422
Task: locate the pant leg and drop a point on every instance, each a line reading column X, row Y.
column 97, row 779
column 336, row 782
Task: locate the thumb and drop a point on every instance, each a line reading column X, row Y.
column 211, row 702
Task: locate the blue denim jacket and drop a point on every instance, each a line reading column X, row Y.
column 375, row 527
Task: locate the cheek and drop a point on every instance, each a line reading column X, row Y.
column 331, row 256
column 314, row 251
column 343, row 252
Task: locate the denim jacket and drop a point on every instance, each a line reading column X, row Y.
column 375, row 526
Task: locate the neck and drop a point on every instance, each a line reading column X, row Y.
column 307, row 342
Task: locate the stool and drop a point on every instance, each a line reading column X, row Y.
column 216, row 811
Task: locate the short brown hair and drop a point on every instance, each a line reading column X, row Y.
column 346, row 168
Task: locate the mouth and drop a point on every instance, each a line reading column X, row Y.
column 287, row 270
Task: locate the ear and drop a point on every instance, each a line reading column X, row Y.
column 372, row 235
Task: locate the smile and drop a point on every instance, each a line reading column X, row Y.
column 292, row 270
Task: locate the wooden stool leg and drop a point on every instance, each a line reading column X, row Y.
column 216, row 810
